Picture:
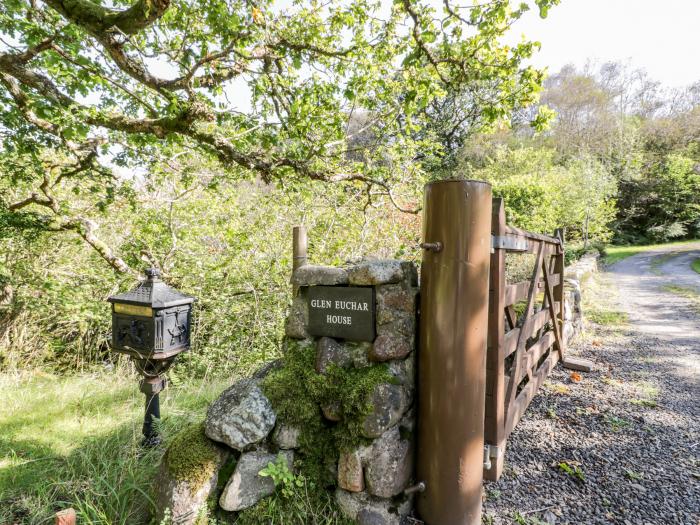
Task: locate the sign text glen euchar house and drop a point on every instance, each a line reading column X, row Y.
column 343, row 312
column 339, row 305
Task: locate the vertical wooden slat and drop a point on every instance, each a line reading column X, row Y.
column 559, row 288
column 554, row 315
column 494, row 429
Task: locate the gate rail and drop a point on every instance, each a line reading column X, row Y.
column 522, row 349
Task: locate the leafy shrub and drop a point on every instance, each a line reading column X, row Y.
column 666, row 232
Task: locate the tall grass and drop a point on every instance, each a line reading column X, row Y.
column 74, row 442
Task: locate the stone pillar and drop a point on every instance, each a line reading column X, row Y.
column 371, row 479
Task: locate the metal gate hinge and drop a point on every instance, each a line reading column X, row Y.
column 490, row 452
column 509, row 242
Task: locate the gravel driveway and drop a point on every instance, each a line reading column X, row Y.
column 629, row 432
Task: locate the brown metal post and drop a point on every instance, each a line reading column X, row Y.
column 494, row 423
column 300, row 245
column 452, row 355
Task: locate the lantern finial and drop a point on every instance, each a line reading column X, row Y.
column 152, row 273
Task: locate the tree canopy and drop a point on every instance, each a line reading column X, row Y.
column 269, row 91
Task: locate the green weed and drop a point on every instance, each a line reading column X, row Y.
column 649, row 403
column 695, row 265
column 572, row 469
column 634, row 476
column 601, row 316
column 616, row 423
column 687, row 292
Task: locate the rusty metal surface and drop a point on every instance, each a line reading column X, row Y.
column 452, row 355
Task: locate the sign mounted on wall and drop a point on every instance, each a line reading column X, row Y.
column 343, row 312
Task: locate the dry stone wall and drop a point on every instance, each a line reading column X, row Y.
column 370, row 476
column 574, row 277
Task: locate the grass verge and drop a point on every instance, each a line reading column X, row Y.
column 601, row 302
column 685, row 291
column 74, row 442
column 695, row 265
column 614, row 254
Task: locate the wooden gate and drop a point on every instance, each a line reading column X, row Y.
column 525, row 331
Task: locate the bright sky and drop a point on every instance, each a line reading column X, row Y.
column 661, row 36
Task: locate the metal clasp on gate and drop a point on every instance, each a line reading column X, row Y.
column 511, row 243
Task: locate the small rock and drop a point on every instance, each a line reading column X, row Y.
column 549, row 517
column 329, row 351
column 298, row 319
column 410, row 273
column 577, row 363
column 359, row 352
column 246, row 486
column 393, row 300
column 355, row 505
column 370, row 517
column 241, row 416
column 286, row 437
column 313, row 275
column 350, row 474
column 387, row 347
column 389, row 402
column 402, row 326
column 375, row 272
column 389, row 464
column 332, row 411
column 404, row 371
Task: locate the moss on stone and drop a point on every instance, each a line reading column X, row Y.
column 192, row 457
column 297, row 392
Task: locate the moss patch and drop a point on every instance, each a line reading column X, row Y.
column 297, row 392
column 192, row 457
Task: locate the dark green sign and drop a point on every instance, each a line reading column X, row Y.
column 343, row 312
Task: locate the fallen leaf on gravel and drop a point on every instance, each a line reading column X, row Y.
column 561, row 389
column 575, row 377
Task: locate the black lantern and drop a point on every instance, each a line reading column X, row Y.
column 151, row 323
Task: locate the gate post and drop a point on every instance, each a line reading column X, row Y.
column 299, row 248
column 494, row 422
column 452, row 352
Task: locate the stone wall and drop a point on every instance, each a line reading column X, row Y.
column 371, row 478
column 245, row 424
column 574, row 278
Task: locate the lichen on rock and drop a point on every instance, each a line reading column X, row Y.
column 242, row 416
